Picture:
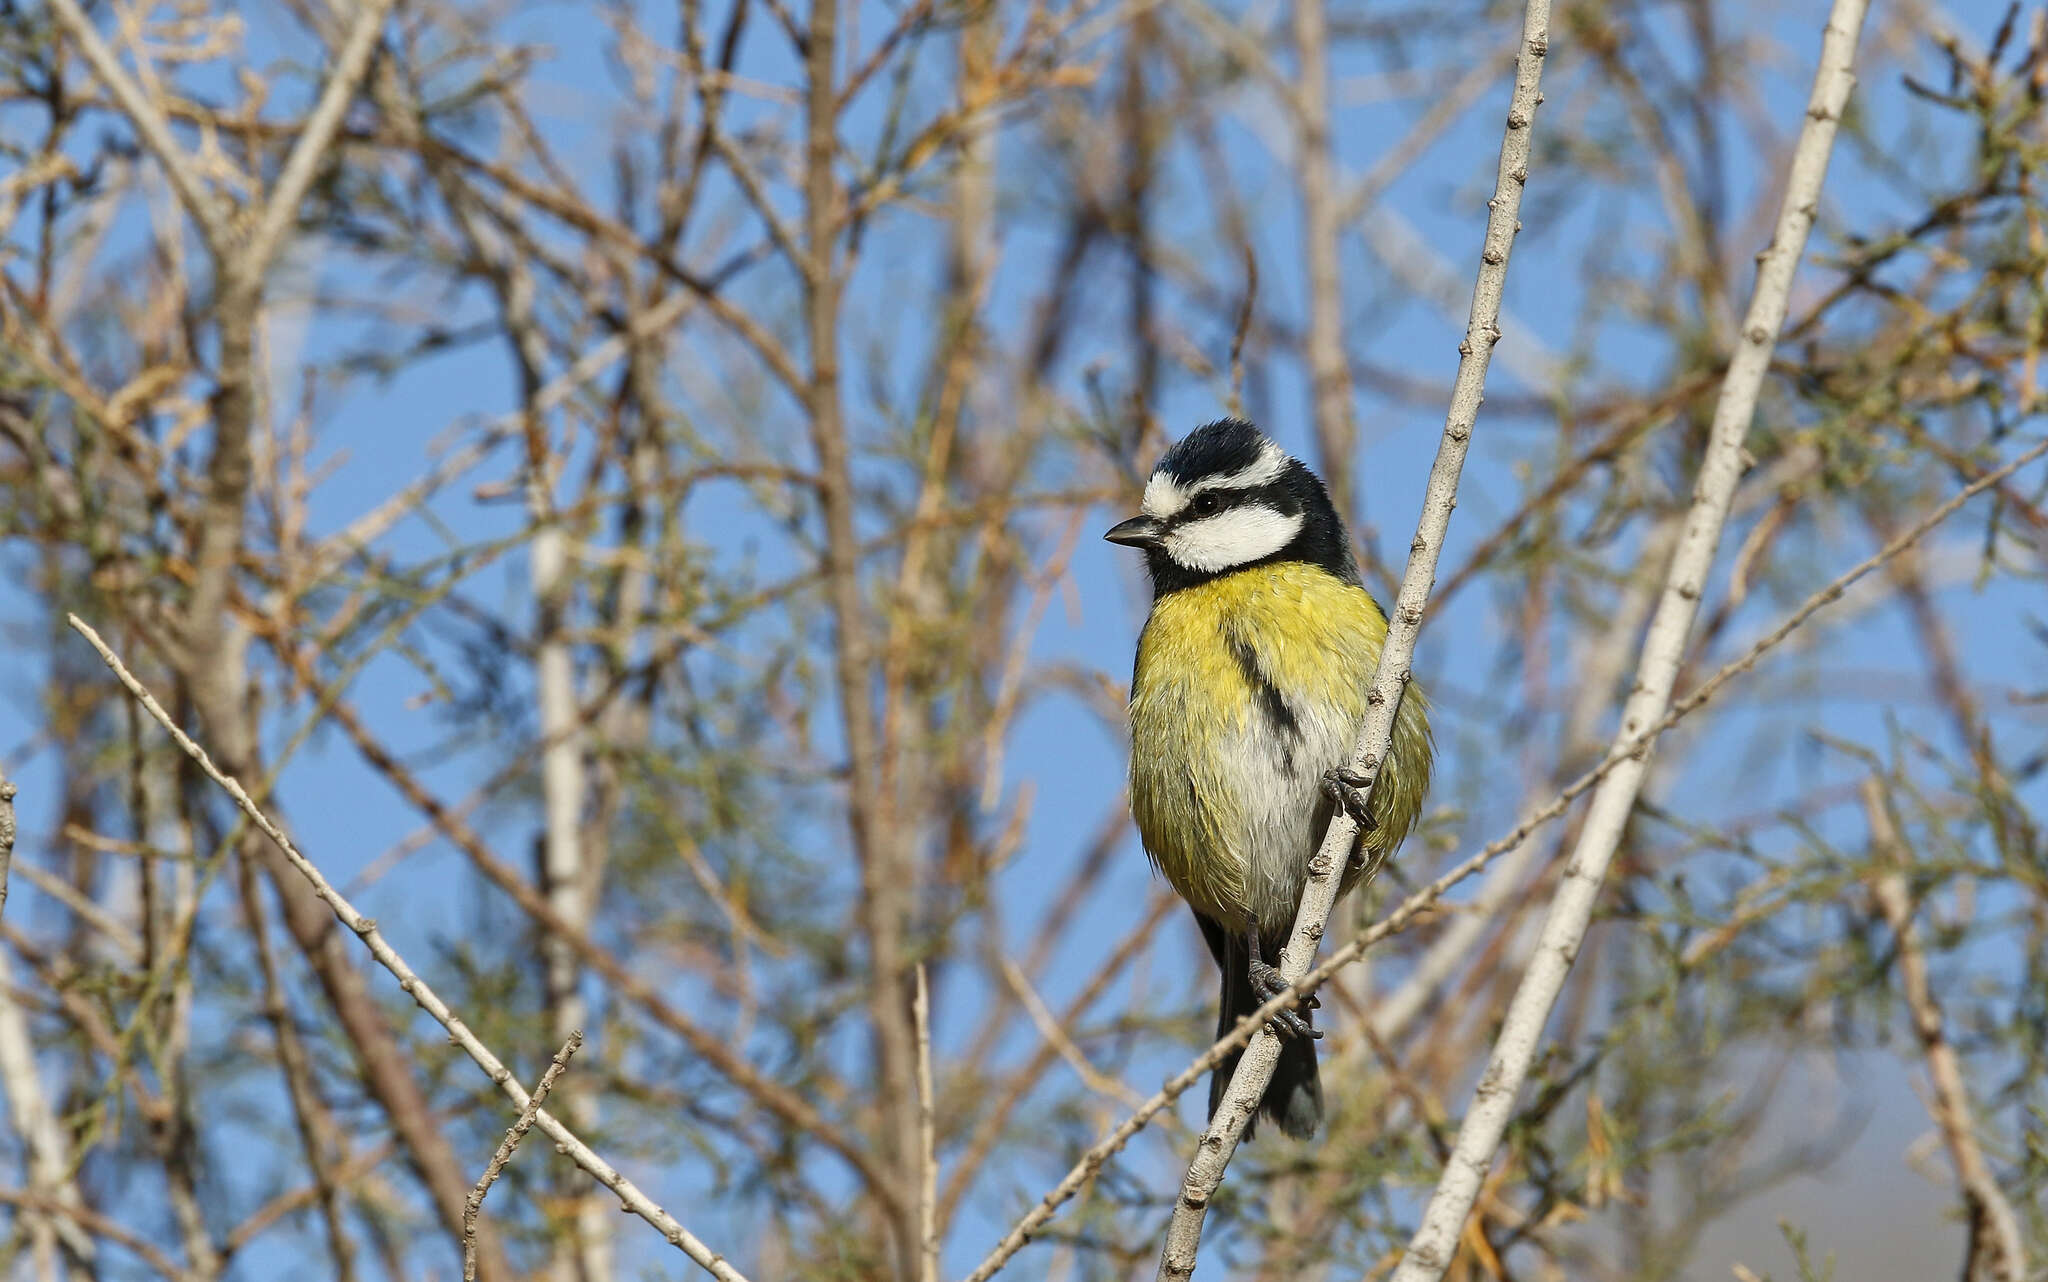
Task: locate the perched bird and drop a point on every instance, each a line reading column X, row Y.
column 1246, row 703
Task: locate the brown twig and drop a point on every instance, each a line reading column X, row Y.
column 927, row 1133
column 99, row 1226
column 7, row 794
column 1997, row 1250
column 500, row 1159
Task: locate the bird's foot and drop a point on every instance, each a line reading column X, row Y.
column 1347, row 787
column 1287, row 1023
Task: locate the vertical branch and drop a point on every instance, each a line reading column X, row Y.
column 1430, row 1251
column 1390, row 679
column 885, row 880
column 1135, row 214
column 928, row 1140
column 1997, row 1249
column 922, row 566
column 1329, row 375
column 564, row 879
column 315, row 1124
column 49, row 1161
column 7, row 794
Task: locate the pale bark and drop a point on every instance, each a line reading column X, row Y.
column 1329, row 376
column 1997, row 1247
column 1431, row 1250
column 1390, row 680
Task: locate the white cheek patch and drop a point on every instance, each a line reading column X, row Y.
column 1234, row 536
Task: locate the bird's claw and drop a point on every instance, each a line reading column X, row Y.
column 1347, row 787
column 1287, row 1023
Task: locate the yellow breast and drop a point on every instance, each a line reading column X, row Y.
column 1224, row 668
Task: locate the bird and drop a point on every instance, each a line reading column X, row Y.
column 1247, row 696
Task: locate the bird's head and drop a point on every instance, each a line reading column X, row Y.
column 1226, row 498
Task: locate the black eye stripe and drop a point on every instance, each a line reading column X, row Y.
column 1276, row 495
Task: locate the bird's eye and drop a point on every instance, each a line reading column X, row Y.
column 1206, row 503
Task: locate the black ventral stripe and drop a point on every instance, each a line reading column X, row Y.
column 1272, row 706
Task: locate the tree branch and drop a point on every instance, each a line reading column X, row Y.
column 315, row 136
column 151, row 124
column 1430, row 1251
column 1997, row 1248
column 1390, row 679
column 501, row 1158
column 7, row 794
column 927, row 1133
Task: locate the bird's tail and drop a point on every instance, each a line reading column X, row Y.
column 1294, row 1098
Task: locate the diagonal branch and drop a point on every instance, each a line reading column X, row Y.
column 303, row 164
column 150, row 123
column 630, row 1197
column 788, row 1105
column 503, row 1157
column 1430, row 1251
column 1997, row 1250
column 1390, row 679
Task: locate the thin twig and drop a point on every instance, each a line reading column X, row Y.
column 303, row 164
column 927, row 1134
column 1056, row 1037
column 503, row 1157
column 357, row 1166
column 1435, row 1242
column 1391, row 677
column 1243, row 328
column 98, row 1225
column 630, row 1196
column 87, row 910
column 1997, row 1249
column 6, row 835
column 150, row 123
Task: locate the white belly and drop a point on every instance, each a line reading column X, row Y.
column 1281, row 813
